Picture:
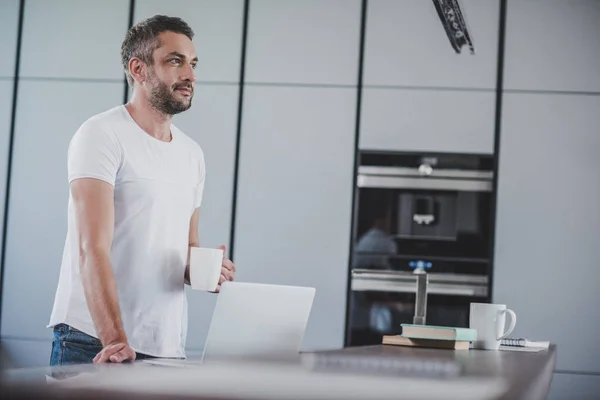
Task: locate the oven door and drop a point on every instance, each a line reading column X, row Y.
column 445, row 214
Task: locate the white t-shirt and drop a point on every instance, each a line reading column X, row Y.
column 157, row 187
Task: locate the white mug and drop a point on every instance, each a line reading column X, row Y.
column 489, row 320
column 205, row 268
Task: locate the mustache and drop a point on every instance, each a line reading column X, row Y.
column 184, row 86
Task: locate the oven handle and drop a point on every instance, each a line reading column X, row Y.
column 436, row 277
column 378, row 285
column 425, row 171
column 397, row 182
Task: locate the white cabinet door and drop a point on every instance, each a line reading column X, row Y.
column 427, row 120
column 306, row 42
column 294, row 198
column 553, row 45
column 48, row 114
column 212, row 122
column 73, row 38
column 548, row 223
column 9, row 25
column 217, row 26
column 406, row 45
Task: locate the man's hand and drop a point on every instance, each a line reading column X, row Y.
column 227, row 270
column 116, row 352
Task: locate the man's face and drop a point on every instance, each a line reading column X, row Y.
column 170, row 80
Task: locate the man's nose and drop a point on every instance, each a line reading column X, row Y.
column 188, row 73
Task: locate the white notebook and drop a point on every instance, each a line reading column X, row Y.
column 524, row 343
column 522, row 349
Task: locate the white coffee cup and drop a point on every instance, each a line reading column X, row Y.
column 489, row 320
column 205, row 268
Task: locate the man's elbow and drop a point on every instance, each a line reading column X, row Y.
column 92, row 253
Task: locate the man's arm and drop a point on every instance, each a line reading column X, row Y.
column 227, row 267
column 94, row 214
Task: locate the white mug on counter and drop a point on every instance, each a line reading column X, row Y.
column 489, row 320
column 205, row 268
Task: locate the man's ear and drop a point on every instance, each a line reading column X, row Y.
column 137, row 69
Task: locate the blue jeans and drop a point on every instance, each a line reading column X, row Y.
column 71, row 346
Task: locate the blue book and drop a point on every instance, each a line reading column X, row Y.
column 438, row 332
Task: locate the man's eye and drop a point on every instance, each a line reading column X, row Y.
column 194, row 66
column 175, row 61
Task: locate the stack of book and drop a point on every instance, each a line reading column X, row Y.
column 440, row 337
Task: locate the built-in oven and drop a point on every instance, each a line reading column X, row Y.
column 418, row 209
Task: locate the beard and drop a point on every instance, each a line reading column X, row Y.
column 162, row 97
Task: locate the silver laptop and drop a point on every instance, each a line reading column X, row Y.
column 253, row 320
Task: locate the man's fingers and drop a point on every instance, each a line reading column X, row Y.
column 102, row 359
column 227, row 274
column 107, row 352
column 124, row 355
column 228, row 264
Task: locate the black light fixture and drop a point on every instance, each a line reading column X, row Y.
column 454, row 24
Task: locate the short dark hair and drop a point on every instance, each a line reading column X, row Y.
column 142, row 39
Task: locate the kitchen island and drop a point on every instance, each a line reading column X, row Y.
column 374, row 372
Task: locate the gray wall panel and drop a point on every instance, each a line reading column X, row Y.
column 553, row 45
column 9, row 25
column 427, row 120
column 73, row 39
column 6, row 96
column 406, row 45
column 48, row 114
column 548, row 223
column 19, row 353
column 294, row 198
column 309, row 42
column 569, row 386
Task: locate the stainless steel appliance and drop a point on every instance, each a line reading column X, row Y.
column 418, row 209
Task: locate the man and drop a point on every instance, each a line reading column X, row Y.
column 136, row 184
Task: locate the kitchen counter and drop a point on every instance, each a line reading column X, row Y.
column 352, row 373
column 528, row 374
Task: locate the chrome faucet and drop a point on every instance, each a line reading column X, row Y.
column 421, row 293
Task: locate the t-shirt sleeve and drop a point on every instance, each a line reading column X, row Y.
column 200, row 185
column 94, row 153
